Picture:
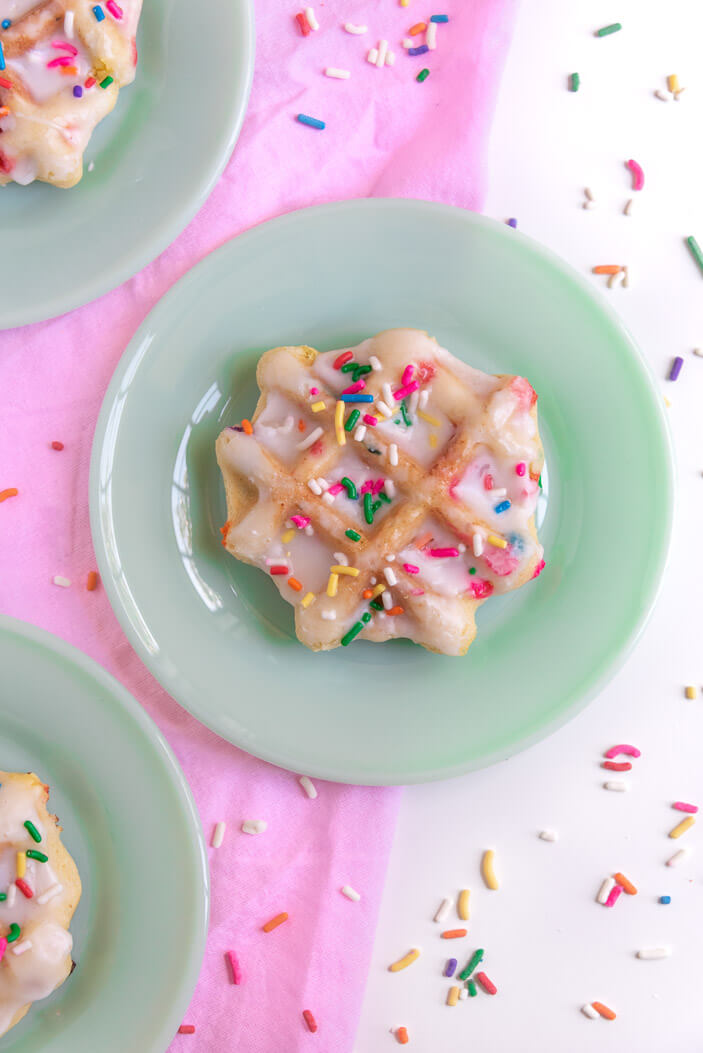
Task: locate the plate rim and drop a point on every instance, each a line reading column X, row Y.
column 67, row 653
column 109, row 279
column 171, row 683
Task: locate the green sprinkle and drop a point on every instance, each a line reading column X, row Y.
column 366, row 617
column 384, row 497
column 371, row 450
column 349, row 366
column 32, row 853
column 574, row 82
column 472, row 570
column 354, row 631
column 422, row 75
column 368, row 511
column 695, row 251
column 362, row 369
column 615, row 27
column 475, row 959
column 375, row 506
column 472, row 989
column 539, row 481
column 350, row 488
column 33, row 832
column 406, row 418
column 107, row 82
column 14, row 932
column 376, row 604
column 3, row 897
column 353, row 535
column 352, row 419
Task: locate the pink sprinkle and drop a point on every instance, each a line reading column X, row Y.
column 480, row 588
column 314, row 391
column 681, row 806
column 630, row 751
column 3, row 948
column 401, row 393
column 538, row 569
column 336, row 489
column 63, row 45
column 444, row 553
column 300, row 521
column 64, row 60
column 114, row 9
column 234, row 966
column 520, row 468
column 417, row 592
column 407, row 374
column 368, row 419
column 354, row 388
column 410, row 568
column 615, row 894
column 488, row 482
column 367, row 487
column 378, row 486
column 637, row 174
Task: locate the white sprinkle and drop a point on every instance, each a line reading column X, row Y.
column 315, row 486
column 477, row 545
column 628, row 208
column 50, row 893
column 390, row 58
column 663, row 96
column 424, row 397
column 383, row 408
column 12, row 896
column 372, row 56
column 548, row 835
column 382, row 51
column 589, row 204
column 590, row 1012
column 339, row 74
column 322, row 482
column 356, row 30
column 626, row 277
column 413, row 401
column 68, row 24
column 697, row 351
column 91, row 166
column 616, row 784
column 351, row 893
column 387, row 393
column 328, row 498
column 464, row 993
column 329, row 616
column 650, row 953
column 311, row 20
column 218, row 834
column 389, row 575
column 678, row 93
column 615, row 279
column 387, row 600
column 498, row 491
column 589, row 193
column 63, row 582
column 390, row 559
column 678, row 856
column 308, row 787
column 341, row 559
column 461, row 547
column 375, row 364
column 360, row 432
column 408, row 42
column 389, row 487
column 20, row 948
column 374, row 579
column 393, row 455
column 431, row 36
column 605, row 890
column 309, row 530
column 254, row 826
column 275, row 561
column 312, row 437
column 443, row 909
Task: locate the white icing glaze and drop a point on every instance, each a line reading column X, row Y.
column 15, row 8
column 44, row 82
column 276, row 427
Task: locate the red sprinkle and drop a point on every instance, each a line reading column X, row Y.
column 5, row 83
column 278, row 568
column 309, row 1020
column 90, row 82
column 235, row 967
column 24, row 887
column 614, row 766
column 488, row 986
column 303, row 23
column 488, row 482
column 57, row 445
column 186, row 1029
column 341, row 360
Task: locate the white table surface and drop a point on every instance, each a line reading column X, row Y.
column 549, row 946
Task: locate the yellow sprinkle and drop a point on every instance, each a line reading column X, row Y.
column 487, row 871
column 430, row 420
column 497, row 542
column 403, row 963
column 21, row 864
column 317, row 406
column 433, row 439
column 288, row 536
column 353, row 572
column 332, row 585
column 339, row 423
column 462, row 906
column 453, row 995
column 667, row 403
column 682, row 827
column 672, row 83
column 404, row 3
column 379, row 413
column 307, row 599
column 691, row 692
column 378, row 589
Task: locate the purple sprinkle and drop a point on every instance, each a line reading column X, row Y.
column 234, row 427
column 418, row 51
column 78, row 91
column 676, row 368
column 512, row 223
column 450, row 967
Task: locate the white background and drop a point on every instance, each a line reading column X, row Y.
column 549, row 946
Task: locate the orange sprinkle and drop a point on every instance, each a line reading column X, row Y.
column 275, row 922
column 627, row 886
column 11, row 492
column 93, row 581
column 607, row 268
column 603, row 1010
column 68, row 71
column 419, row 27
column 396, row 610
column 421, row 541
column 295, row 584
column 301, row 425
column 402, row 1035
column 367, row 594
column 4, row 111
column 224, row 530
column 453, row 934
column 247, row 426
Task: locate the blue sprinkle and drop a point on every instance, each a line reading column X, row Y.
column 6, row 23
column 439, row 18
column 312, row 122
column 356, row 398
column 99, row 13
column 78, row 91
column 450, row 967
column 2, row 57
column 502, row 507
column 516, row 543
column 512, row 223
column 418, row 51
column 665, row 899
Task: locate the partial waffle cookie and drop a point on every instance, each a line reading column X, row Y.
column 387, row 489
column 62, row 64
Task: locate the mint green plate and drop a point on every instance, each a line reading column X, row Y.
column 130, row 823
column 216, row 633
column 157, row 157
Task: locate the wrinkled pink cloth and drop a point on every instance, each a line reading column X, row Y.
column 386, row 135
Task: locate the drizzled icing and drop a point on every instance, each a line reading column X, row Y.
column 463, row 483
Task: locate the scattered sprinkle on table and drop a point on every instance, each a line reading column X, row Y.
column 618, row 785
column 681, row 806
column 442, row 910
column 11, row 491
column 422, row 75
column 312, row 122
column 401, row 1035
column 356, row 30
column 695, row 251
column 682, row 827
column 637, row 174
column 351, row 893
column 613, row 896
column 56, row 445
column 92, row 581
column 676, row 367
column 475, row 960
column 338, row 74
column 626, row 884
column 665, row 899
column 405, row 961
column 574, row 82
column 603, row 1010
column 235, row 969
column 512, row 222
column 589, row 1011
column 488, row 869
column 453, row 934
column 310, row 1020
column 186, row 1029
column 651, row 953
column 624, row 748
column 488, row 986
column 462, row 906
column 275, row 922
column 450, row 967
column 62, row 582
column 453, row 995
column 254, row 826
column 678, row 857
column 548, row 835
column 218, row 834
column 308, row 786
column 607, row 886
column 691, row 692
column 421, row 50
column 605, row 31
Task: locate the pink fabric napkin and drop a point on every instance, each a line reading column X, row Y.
column 386, row 135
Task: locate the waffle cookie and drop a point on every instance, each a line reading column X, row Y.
column 388, row 489
column 39, row 891
column 62, row 64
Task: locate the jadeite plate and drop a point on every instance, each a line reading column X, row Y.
column 130, row 823
column 157, row 157
column 216, row 633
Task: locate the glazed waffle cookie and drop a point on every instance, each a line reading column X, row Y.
column 388, row 489
column 62, row 64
